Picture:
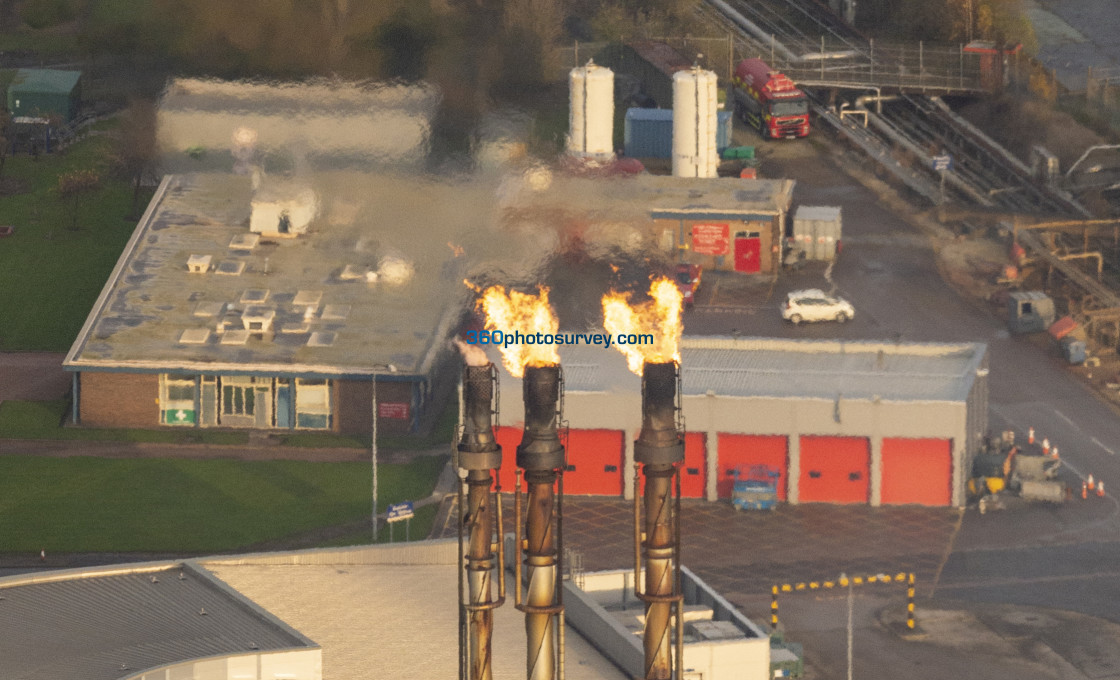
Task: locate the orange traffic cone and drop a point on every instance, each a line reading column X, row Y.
column 1054, row 452
column 1084, row 491
column 1045, row 447
column 1030, row 436
column 1091, row 483
column 1100, row 489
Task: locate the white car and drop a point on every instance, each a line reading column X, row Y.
column 816, row 305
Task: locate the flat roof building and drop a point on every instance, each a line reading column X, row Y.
column 722, row 223
column 208, row 322
column 839, row 421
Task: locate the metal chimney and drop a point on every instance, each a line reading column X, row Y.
column 476, row 456
column 659, row 450
column 540, row 457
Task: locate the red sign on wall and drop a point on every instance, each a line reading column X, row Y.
column 710, row 239
column 394, row 410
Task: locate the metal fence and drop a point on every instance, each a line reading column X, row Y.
column 913, row 67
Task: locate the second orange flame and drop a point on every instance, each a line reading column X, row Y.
column 660, row 317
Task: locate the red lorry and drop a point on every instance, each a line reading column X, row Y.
column 769, row 101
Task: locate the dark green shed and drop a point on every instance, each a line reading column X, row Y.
column 40, row 92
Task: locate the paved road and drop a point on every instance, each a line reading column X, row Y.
column 1074, row 35
column 1036, row 556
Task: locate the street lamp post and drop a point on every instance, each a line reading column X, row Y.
column 377, row 370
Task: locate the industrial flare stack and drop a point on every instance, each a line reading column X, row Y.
column 659, row 452
column 478, row 455
column 540, row 458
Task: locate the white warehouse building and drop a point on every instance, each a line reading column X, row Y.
column 877, row 423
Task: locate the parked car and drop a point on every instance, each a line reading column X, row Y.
column 688, row 280
column 816, row 305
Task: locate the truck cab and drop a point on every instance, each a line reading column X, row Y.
column 769, row 101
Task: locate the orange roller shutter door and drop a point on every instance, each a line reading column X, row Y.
column 750, row 449
column 835, row 470
column 917, row 471
column 595, row 460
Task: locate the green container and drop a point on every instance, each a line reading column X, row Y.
column 745, row 151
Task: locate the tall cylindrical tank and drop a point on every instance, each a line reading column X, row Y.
column 591, row 129
column 694, row 124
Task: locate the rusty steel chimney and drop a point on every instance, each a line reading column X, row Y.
column 659, row 451
column 477, row 455
column 540, row 458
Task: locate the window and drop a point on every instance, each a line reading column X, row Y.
column 313, row 404
column 237, row 396
column 793, row 107
column 177, row 400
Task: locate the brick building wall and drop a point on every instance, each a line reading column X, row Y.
column 118, row 399
column 354, row 411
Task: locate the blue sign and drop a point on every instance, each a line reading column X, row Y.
column 400, row 511
column 941, row 163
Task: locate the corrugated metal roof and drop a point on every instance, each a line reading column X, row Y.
column 394, row 621
column 106, row 627
column 796, row 369
column 641, row 197
column 44, row 80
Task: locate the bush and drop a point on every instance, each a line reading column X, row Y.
column 43, row 13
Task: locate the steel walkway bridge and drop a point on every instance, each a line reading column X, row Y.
column 829, row 54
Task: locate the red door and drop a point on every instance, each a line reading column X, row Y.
column 595, row 460
column 917, row 471
column 835, row 470
column 694, row 475
column 508, row 438
column 747, row 450
column 748, row 252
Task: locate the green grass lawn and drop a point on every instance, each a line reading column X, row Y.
column 191, row 506
column 43, row 420
column 50, row 275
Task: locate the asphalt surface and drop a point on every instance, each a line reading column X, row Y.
column 1074, row 35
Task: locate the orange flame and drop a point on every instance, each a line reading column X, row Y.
column 660, row 317
column 528, row 314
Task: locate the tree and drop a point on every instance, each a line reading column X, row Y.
column 135, row 153
column 72, row 186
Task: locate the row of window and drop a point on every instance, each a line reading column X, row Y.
column 245, row 401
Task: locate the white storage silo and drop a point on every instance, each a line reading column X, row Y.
column 694, row 124
column 591, row 119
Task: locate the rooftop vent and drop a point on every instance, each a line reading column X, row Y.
column 307, row 298
column 258, row 319
column 353, row 272
column 230, row 268
column 321, row 339
column 335, row 312
column 208, row 309
column 198, row 264
column 245, row 241
column 254, row 296
column 235, row 337
column 194, row 336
